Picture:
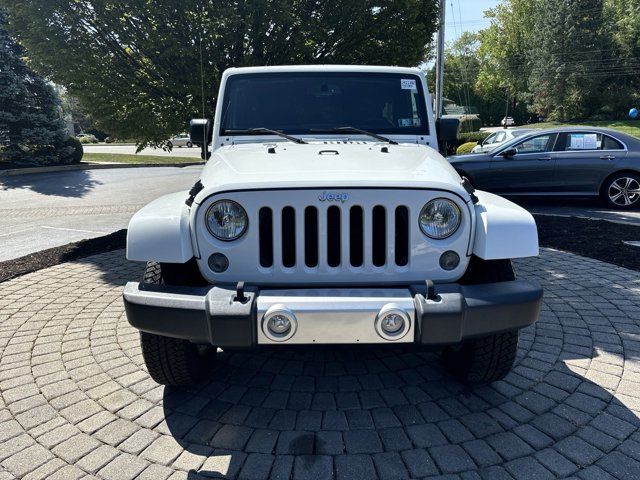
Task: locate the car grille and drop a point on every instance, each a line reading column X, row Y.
column 348, row 236
column 334, row 237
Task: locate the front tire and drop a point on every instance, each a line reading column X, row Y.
column 173, row 361
column 189, row 144
column 490, row 358
column 622, row 191
column 483, row 360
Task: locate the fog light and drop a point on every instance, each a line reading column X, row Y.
column 279, row 323
column 392, row 322
column 218, row 262
column 449, row 260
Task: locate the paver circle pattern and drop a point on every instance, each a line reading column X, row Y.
column 76, row 401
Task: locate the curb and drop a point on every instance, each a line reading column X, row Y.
column 90, row 166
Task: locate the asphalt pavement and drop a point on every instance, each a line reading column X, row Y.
column 39, row 211
column 579, row 207
column 131, row 150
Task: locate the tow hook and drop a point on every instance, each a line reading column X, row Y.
column 240, row 296
column 431, row 290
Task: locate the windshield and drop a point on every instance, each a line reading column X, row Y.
column 307, row 102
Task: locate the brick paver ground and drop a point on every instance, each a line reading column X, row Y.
column 76, row 402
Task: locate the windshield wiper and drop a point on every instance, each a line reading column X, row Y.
column 258, row 130
column 355, row 130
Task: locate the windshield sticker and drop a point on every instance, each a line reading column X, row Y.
column 408, row 84
column 408, row 122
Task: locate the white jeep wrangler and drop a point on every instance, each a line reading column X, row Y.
column 325, row 215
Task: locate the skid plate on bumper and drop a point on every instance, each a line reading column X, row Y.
column 331, row 316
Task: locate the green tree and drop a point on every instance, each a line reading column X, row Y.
column 570, row 58
column 31, row 127
column 504, row 49
column 622, row 88
column 135, row 64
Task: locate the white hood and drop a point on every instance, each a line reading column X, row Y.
column 327, row 164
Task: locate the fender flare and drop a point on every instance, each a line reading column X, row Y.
column 159, row 232
column 503, row 229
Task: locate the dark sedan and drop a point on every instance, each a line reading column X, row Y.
column 563, row 162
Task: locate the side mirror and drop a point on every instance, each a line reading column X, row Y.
column 447, row 129
column 200, row 129
column 201, row 134
column 510, row 152
column 447, row 133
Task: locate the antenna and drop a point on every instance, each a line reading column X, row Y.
column 440, row 60
column 205, row 148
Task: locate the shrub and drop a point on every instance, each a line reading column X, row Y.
column 75, row 150
column 109, row 140
column 90, row 139
column 470, row 123
column 473, row 137
column 465, row 148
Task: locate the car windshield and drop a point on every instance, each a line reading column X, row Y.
column 308, row 102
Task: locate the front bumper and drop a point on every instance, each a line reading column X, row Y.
column 214, row 315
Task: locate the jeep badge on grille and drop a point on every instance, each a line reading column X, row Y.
column 333, row 197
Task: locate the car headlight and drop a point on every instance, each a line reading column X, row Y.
column 226, row 220
column 440, row 218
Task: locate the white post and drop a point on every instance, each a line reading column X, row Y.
column 440, row 61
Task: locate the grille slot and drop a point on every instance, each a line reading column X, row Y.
column 334, row 237
column 379, row 235
column 288, row 237
column 265, row 221
column 356, row 237
column 402, row 236
column 311, row 236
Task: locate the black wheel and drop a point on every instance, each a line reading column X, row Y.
column 173, row 361
column 189, row 144
column 490, row 358
column 622, row 190
column 483, row 360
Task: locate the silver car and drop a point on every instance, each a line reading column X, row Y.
column 498, row 138
column 570, row 161
column 181, row 140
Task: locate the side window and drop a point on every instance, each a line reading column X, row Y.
column 542, row 143
column 609, row 143
column 500, row 137
column 490, row 139
column 583, row 141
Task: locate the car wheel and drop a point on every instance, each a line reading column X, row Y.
column 483, row 360
column 189, row 144
column 622, row 191
column 173, row 361
column 489, row 358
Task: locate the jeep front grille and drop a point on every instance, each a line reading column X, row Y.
column 348, row 236
column 335, row 236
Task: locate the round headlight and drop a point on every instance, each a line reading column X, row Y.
column 440, row 218
column 226, row 220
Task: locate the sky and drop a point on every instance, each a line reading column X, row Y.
column 465, row 15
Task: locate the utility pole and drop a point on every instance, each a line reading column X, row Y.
column 440, row 61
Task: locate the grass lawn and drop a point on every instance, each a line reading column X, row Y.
column 630, row 127
column 118, row 158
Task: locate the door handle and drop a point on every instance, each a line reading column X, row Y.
column 546, row 159
column 608, row 157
